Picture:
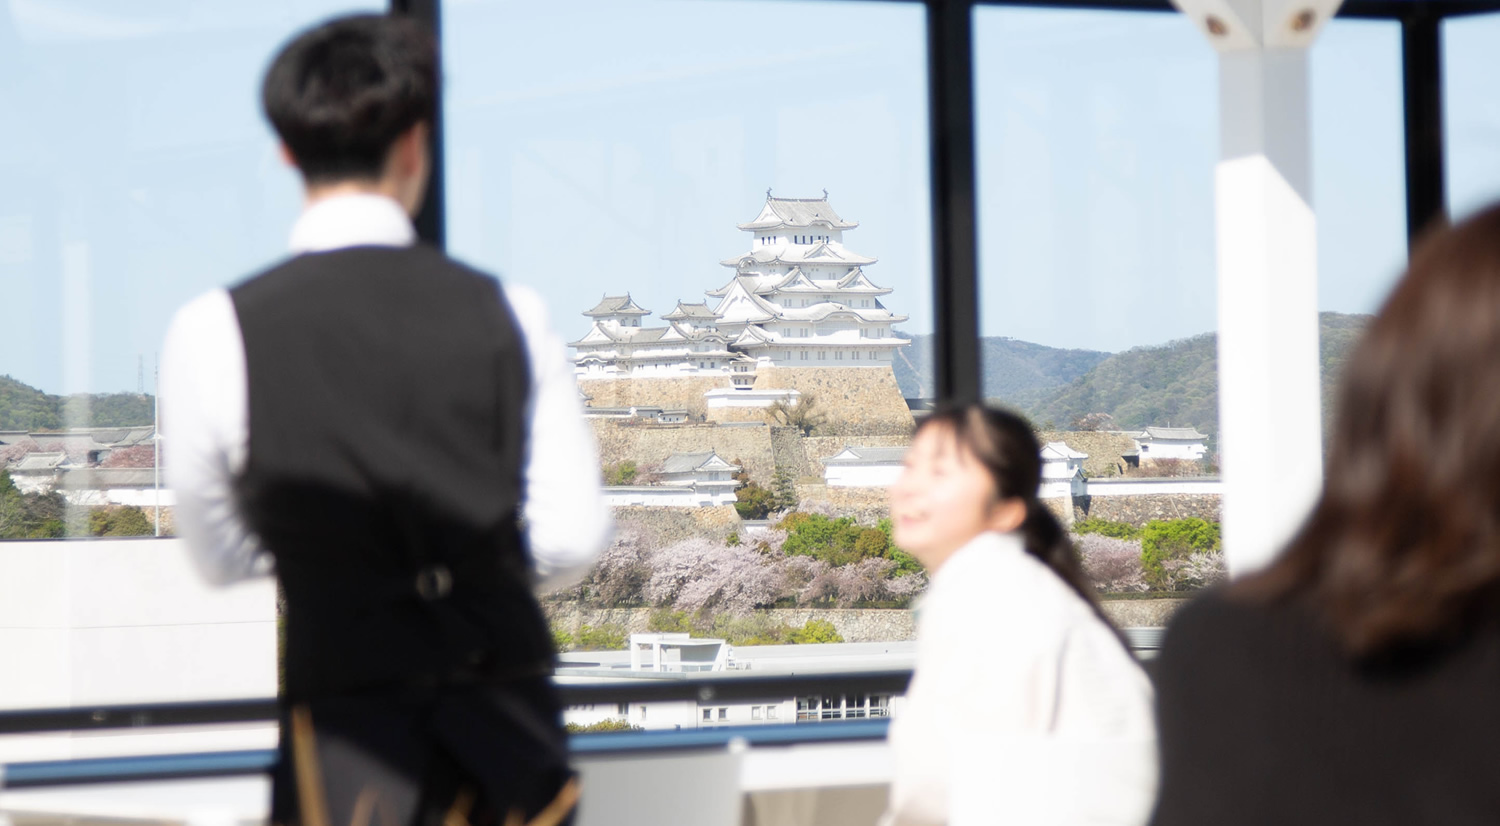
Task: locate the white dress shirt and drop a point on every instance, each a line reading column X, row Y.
column 1024, row 708
column 205, row 416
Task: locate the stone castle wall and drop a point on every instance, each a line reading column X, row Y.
column 650, row 444
column 853, row 624
column 858, row 401
column 677, row 393
column 672, row 525
column 1138, row 510
column 867, row 505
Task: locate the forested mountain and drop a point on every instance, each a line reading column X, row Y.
column 1013, row 369
column 26, row 408
column 1168, row 384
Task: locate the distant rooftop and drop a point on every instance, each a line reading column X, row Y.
column 617, row 305
column 798, row 212
column 1172, row 433
column 853, row 455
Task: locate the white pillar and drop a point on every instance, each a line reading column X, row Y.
column 1270, row 419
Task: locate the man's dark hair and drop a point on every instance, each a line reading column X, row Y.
column 341, row 93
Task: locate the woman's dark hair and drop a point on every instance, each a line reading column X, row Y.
column 341, row 93
column 1004, row 444
column 1403, row 546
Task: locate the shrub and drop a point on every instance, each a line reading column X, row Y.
column 665, row 620
column 756, row 628
column 607, row 637
column 815, row 631
column 753, row 501
column 1104, row 527
column 561, row 640
column 600, row 727
column 1176, row 539
column 620, row 473
column 119, row 521
column 733, row 539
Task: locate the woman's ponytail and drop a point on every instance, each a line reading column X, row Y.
column 1005, row 444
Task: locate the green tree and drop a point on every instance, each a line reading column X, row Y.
column 1163, row 541
column 815, row 631
column 119, row 521
column 1104, row 527
column 753, row 501
column 607, row 637
column 620, row 473
column 784, row 488
column 13, row 519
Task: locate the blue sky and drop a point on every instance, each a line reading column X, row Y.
column 602, row 146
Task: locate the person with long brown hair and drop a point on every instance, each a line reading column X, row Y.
column 1356, row 679
column 1026, row 706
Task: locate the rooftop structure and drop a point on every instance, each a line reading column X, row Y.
column 798, row 298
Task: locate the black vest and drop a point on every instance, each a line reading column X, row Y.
column 387, row 393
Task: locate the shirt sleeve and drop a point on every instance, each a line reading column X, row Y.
column 205, row 433
column 567, row 522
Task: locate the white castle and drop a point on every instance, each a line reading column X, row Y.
column 798, row 298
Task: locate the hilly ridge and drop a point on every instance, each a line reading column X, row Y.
column 1174, row 383
column 23, row 407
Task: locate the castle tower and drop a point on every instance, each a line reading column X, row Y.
column 799, row 297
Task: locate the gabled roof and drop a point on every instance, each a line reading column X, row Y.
column 40, row 461
column 743, row 291
column 867, row 455
column 1060, row 450
column 857, row 280
column 1175, row 433
column 794, row 280
column 616, row 305
column 689, row 462
column 691, row 312
column 797, row 212
column 10, row 437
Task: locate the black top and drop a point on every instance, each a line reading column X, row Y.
column 387, row 393
column 1263, row 720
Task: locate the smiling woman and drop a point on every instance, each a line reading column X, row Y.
column 1009, row 625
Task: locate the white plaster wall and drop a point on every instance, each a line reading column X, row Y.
column 667, row 496
column 861, row 476
column 1143, row 487
column 1170, row 450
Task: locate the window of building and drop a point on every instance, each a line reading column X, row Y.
column 771, row 712
column 723, row 714
column 708, row 714
column 755, row 712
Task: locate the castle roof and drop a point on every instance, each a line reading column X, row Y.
column 1173, row 433
column 865, row 455
column 689, row 462
column 797, row 212
column 691, row 312
column 794, row 254
column 616, row 305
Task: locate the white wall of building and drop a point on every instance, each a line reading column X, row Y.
column 669, row 496
column 1149, row 486
column 874, row 475
column 1190, row 450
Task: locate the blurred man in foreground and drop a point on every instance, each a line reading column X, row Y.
column 369, row 418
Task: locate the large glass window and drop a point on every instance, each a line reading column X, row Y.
column 1098, row 136
column 1471, row 113
column 136, row 171
column 725, row 208
column 1098, row 139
